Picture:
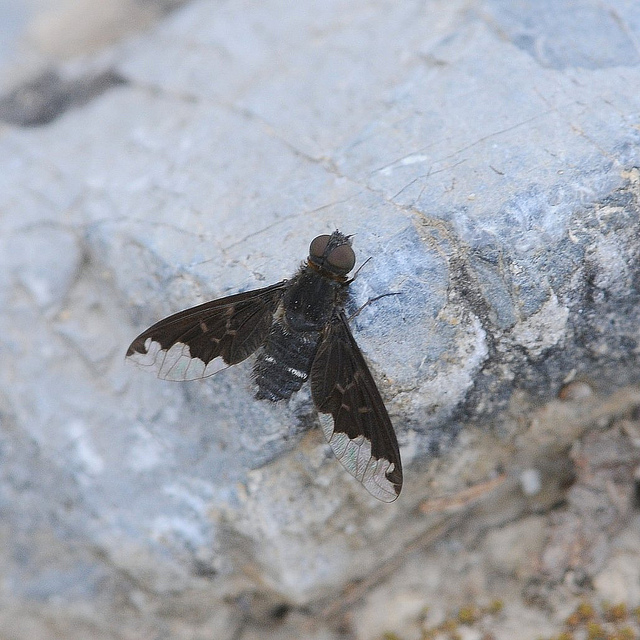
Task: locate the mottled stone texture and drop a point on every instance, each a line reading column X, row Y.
column 485, row 156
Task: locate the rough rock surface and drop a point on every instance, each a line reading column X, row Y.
column 485, row 154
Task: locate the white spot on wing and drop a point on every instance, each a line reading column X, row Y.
column 355, row 456
column 326, row 422
column 217, row 364
column 147, row 359
column 339, row 442
column 175, row 363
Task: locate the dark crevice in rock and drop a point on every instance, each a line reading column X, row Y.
column 46, row 97
column 603, row 314
column 164, row 6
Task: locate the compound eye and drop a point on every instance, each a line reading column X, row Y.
column 342, row 259
column 318, row 246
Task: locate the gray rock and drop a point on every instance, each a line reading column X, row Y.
column 484, row 156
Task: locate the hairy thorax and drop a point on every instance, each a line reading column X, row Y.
column 284, row 362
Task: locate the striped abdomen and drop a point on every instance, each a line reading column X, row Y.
column 284, row 362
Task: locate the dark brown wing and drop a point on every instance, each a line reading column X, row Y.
column 188, row 344
column 360, row 434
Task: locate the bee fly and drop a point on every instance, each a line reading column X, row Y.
column 301, row 331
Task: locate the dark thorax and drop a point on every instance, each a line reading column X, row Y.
column 308, row 304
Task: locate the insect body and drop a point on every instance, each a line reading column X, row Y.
column 300, row 330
